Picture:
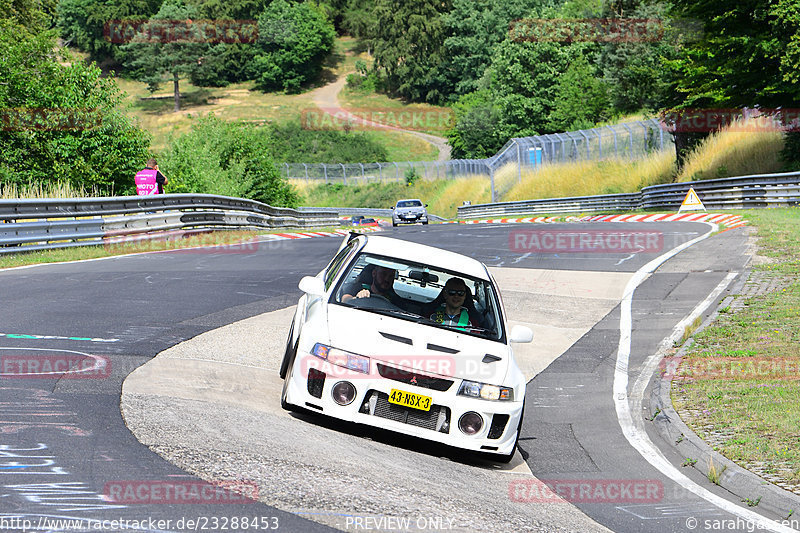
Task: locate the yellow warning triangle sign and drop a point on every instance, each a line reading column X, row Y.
column 691, row 202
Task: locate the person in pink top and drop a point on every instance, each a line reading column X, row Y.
column 150, row 180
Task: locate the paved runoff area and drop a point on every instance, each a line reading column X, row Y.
column 211, row 406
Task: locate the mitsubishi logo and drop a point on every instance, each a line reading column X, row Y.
column 413, row 380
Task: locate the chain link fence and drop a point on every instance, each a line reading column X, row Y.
column 626, row 140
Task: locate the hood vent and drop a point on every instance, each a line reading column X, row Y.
column 444, row 349
column 489, row 358
column 397, row 338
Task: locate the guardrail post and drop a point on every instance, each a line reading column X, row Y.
column 287, row 170
column 325, row 170
column 380, row 172
column 306, row 169
column 362, row 171
column 344, row 173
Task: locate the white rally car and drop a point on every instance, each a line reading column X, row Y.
column 370, row 343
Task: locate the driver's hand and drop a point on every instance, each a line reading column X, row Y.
column 363, row 293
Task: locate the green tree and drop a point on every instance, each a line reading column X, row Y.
column 231, row 61
column 94, row 26
column 745, row 57
column 63, row 119
column 408, row 42
column 167, row 47
column 474, row 28
column 29, row 16
column 581, row 99
column 635, row 71
column 293, row 41
column 524, row 80
column 475, row 133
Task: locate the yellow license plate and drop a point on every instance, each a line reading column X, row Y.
column 409, row 399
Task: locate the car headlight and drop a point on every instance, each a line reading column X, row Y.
column 485, row 391
column 353, row 361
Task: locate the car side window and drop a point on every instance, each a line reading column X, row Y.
column 336, row 264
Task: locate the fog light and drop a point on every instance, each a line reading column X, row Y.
column 470, row 423
column 343, row 393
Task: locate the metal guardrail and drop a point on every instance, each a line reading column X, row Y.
column 41, row 224
column 743, row 192
column 366, row 211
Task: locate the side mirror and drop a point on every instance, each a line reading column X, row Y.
column 426, row 205
column 520, row 334
column 312, row 286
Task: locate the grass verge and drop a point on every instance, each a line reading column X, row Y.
column 738, row 384
column 230, row 241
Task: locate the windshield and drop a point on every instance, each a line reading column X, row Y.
column 423, row 294
column 409, row 203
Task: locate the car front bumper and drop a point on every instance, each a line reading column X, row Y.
column 312, row 390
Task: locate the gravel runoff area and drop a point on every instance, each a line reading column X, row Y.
column 211, row 406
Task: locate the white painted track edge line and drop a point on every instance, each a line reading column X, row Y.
column 637, row 437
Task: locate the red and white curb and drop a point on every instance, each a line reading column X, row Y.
column 729, row 221
column 311, row 234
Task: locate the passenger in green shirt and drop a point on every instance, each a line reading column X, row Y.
column 452, row 312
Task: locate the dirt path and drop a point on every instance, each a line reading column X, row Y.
column 327, row 99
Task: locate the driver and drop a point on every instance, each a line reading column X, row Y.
column 381, row 286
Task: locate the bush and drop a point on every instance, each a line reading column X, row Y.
column 790, row 155
column 226, row 158
column 411, row 176
column 290, row 143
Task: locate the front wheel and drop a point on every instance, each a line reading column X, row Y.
column 425, row 223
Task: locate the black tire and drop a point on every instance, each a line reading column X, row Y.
column 284, row 404
column 425, row 224
column 394, row 224
column 288, row 355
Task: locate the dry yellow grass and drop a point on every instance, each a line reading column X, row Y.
column 736, row 151
column 45, row 190
column 584, row 178
column 474, row 189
